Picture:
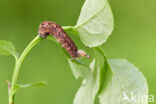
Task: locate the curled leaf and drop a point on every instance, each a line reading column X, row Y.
column 34, row 84
column 98, row 79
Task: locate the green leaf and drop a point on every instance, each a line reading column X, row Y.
column 95, row 22
column 89, row 88
column 92, row 84
column 128, row 82
column 7, row 48
column 106, row 72
column 34, row 84
column 70, row 29
column 79, row 69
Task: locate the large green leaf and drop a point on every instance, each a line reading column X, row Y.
column 92, row 84
column 128, row 85
column 7, row 48
column 91, row 77
column 95, row 23
column 89, row 88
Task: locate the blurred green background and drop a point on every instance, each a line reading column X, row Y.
column 133, row 38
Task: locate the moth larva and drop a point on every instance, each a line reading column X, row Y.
column 51, row 28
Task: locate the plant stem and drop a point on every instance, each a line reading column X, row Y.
column 18, row 63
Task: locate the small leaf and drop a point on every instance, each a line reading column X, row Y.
column 79, row 69
column 7, row 48
column 127, row 86
column 39, row 84
column 34, row 84
column 95, row 22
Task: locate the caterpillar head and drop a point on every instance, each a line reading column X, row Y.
column 46, row 28
column 82, row 53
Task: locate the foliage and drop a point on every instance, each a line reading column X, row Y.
column 107, row 80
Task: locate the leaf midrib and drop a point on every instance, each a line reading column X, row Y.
column 93, row 15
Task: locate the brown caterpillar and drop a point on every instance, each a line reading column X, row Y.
column 51, row 28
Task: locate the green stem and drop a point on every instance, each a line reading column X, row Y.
column 18, row 65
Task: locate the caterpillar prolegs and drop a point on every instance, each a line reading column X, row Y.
column 51, row 28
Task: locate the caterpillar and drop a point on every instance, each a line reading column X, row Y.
column 51, row 28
